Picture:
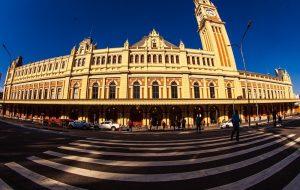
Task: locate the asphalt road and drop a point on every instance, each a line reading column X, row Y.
column 266, row 158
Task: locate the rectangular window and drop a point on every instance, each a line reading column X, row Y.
column 59, row 93
column 46, row 94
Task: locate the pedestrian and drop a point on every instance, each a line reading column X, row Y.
column 163, row 124
column 198, row 123
column 280, row 120
column 268, row 118
column 236, row 126
column 274, row 119
column 130, row 123
column 183, row 124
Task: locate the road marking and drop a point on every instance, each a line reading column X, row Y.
column 40, row 179
column 263, row 175
column 171, row 141
column 169, row 176
column 165, row 143
column 173, row 162
column 4, row 186
column 294, row 185
column 161, row 149
column 163, row 154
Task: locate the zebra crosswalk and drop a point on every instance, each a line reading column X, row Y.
column 204, row 163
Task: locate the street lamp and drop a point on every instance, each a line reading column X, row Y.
column 240, row 47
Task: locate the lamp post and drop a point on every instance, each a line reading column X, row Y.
column 240, row 47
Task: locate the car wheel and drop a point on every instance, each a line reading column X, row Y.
column 113, row 128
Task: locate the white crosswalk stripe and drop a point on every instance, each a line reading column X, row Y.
column 294, row 185
column 4, row 186
column 39, row 179
column 162, row 162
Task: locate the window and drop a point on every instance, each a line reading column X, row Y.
column 56, row 66
column 136, row 90
column 198, row 61
column 174, row 90
column 160, row 58
column 103, row 61
column 188, row 60
column 155, row 90
column 95, row 91
column 30, row 94
column 177, row 59
column 204, row 62
column 50, row 67
column 154, row 59
column 114, row 59
column 172, row 59
column 112, row 90
column 131, row 59
column 244, row 93
column 109, row 60
column 94, row 61
column 52, row 94
column 63, row 65
column 40, row 94
column 46, row 94
column 229, row 91
column 119, row 59
column 76, row 91
column 35, row 94
column 196, row 90
column 193, row 60
column 149, row 58
column 212, row 90
column 136, row 59
column 79, row 63
column 142, row 58
column 59, row 93
column 167, row 59
column 212, row 62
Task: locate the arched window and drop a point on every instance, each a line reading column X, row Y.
column 196, row 90
column 188, row 60
column 131, row 58
column 95, row 91
column 136, row 59
column 83, row 62
column 177, row 59
column 193, row 60
column 154, row 59
column 136, row 90
column 155, row 90
column 167, row 59
column 120, row 59
column 112, row 90
column 160, row 58
column 174, row 90
column 212, row 90
column 198, row 61
column 172, row 59
column 229, row 91
column 142, row 58
column 103, row 61
column 149, row 58
column 114, row 59
column 109, row 60
column 76, row 91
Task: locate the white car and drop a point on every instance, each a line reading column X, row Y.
column 226, row 124
column 109, row 125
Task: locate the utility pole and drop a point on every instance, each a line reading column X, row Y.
column 240, row 47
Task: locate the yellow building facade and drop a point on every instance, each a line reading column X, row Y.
column 151, row 80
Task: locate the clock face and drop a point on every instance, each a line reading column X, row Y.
column 210, row 12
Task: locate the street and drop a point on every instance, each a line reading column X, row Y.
column 265, row 158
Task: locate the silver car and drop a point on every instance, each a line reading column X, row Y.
column 109, row 125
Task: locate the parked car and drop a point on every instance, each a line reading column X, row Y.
column 226, row 124
column 79, row 125
column 109, row 125
column 53, row 122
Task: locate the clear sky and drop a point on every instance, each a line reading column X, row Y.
column 43, row 29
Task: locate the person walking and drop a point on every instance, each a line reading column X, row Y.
column 274, row 119
column 198, row 123
column 236, row 126
column 183, row 124
column 130, row 123
column 163, row 125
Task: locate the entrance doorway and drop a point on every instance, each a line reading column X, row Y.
column 213, row 115
column 156, row 116
column 136, row 116
column 175, row 115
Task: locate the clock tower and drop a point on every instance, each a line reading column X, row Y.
column 213, row 34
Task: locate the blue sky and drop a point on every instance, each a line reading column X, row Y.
column 42, row 29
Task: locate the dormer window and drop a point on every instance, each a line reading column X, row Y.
column 154, row 44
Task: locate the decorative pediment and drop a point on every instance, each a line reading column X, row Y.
column 86, row 46
column 153, row 41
